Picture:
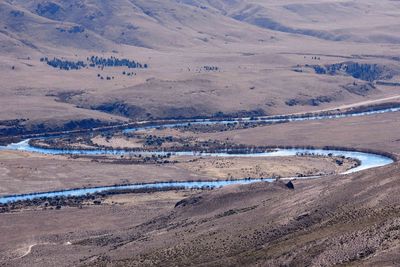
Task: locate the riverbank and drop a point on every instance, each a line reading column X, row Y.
column 365, row 161
column 99, row 126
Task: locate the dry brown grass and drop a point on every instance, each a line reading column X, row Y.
column 342, row 220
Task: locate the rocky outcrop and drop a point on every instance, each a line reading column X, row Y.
column 290, row 185
column 362, row 71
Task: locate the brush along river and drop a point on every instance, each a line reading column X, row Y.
column 366, row 160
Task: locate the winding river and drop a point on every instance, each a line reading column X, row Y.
column 367, row 160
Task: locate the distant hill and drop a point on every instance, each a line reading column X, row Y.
column 205, row 57
column 98, row 24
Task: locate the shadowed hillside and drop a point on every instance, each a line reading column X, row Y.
column 204, row 58
column 120, row 119
column 94, row 24
column 154, row 24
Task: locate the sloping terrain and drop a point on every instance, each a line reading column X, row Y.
column 204, row 57
column 359, row 21
column 189, row 59
column 264, row 225
column 149, row 24
column 338, row 219
column 190, row 23
column 351, row 220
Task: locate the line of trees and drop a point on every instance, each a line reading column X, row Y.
column 64, row 64
column 115, row 62
column 93, row 61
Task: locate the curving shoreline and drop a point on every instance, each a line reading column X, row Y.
column 367, row 160
column 104, row 189
column 177, row 122
column 268, row 119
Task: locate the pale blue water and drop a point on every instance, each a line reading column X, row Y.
column 265, row 119
column 367, row 160
column 85, row 191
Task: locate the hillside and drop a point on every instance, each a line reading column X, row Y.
column 204, row 57
column 190, row 23
column 199, row 133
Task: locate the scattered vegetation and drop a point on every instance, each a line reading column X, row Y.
column 362, row 71
column 101, row 62
column 58, row 202
column 64, row 64
column 316, row 101
column 96, row 62
column 210, row 68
